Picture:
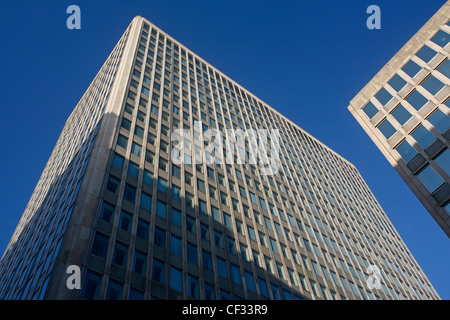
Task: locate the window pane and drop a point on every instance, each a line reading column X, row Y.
column 158, row 271
column 100, row 245
column 401, row 114
column 430, row 179
column 91, row 286
column 423, row 136
column 397, row 82
column 445, row 68
column 417, row 100
column 136, row 149
column 433, row 85
column 125, row 221
column 118, row 161
column 386, row 128
column 236, row 274
column 176, row 217
column 383, row 96
column 370, row 110
column 133, row 169
column 107, row 212
column 443, row 160
column 411, row 68
column 426, row 53
column 441, row 38
column 406, row 151
column 440, row 120
column 161, row 209
column 175, row 279
column 222, row 267
column 129, row 193
column 146, row 201
column 175, row 245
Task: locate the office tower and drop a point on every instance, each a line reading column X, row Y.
column 405, row 111
column 116, row 201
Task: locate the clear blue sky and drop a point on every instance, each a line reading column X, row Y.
column 307, row 59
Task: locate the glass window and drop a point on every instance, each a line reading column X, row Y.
column 146, row 201
column 160, row 237
column 158, row 271
column 411, row 68
column 441, row 38
column 386, row 128
column 430, row 179
column 209, row 291
column 176, row 279
column 443, row 160
column 222, row 267
column 370, row 110
column 114, row 291
column 118, row 161
column 91, row 287
column 444, row 68
column 193, row 287
column 175, row 245
column 207, row 260
column 148, row 177
column 176, row 192
column 426, row 54
column 120, row 254
column 228, row 221
column 191, row 251
column 162, row 185
column 125, row 221
column 133, row 169
column 433, row 85
column 263, row 287
column 423, row 136
column 406, row 151
column 135, row 294
column 100, row 245
column 129, row 193
column 397, row 82
column 401, row 114
column 416, row 100
column 136, row 149
column 176, row 171
column 139, row 262
column 107, row 212
column 190, row 224
column 383, row 96
column 236, row 274
column 176, row 217
column 161, row 209
column 142, row 229
column 249, row 281
column 218, row 238
column 126, row 124
column 113, row 184
column 439, row 120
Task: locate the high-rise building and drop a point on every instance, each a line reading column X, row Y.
column 405, row 111
column 115, row 200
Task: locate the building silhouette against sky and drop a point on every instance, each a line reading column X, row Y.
column 139, row 225
column 405, row 110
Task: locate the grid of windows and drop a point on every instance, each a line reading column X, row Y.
column 316, row 207
column 410, row 115
column 29, row 260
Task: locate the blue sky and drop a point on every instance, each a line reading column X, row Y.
column 307, row 59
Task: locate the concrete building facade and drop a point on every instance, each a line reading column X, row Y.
column 405, row 110
column 113, row 202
